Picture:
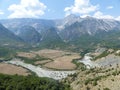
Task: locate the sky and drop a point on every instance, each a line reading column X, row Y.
column 56, row 9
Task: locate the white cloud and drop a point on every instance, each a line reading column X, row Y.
column 118, row 18
column 81, row 7
column 27, row 9
column 100, row 15
column 85, row 15
column 110, row 7
column 1, row 12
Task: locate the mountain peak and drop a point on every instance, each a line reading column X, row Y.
column 90, row 18
column 70, row 19
column 72, row 16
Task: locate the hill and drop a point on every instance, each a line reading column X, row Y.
column 29, row 34
column 7, row 38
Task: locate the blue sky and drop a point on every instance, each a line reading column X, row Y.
column 55, row 9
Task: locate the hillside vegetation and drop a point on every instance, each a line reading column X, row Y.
column 16, row 82
column 95, row 79
column 6, row 53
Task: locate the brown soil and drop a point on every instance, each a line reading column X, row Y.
column 64, row 62
column 42, row 62
column 61, row 59
column 12, row 69
column 24, row 54
column 50, row 53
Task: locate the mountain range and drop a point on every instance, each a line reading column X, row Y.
column 8, row 38
column 73, row 31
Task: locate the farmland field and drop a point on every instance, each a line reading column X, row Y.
column 55, row 59
column 12, row 69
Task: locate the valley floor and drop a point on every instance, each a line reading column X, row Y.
column 12, row 69
column 100, row 74
column 54, row 59
column 40, row 71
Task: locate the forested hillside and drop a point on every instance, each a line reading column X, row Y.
column 16, row 82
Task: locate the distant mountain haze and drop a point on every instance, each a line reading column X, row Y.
column 29, row 34
column 7, row 37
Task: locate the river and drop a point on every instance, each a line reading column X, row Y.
column 57, row 75
column 87, row 61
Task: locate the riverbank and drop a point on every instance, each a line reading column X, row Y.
column 57, row 75
column 87, row 62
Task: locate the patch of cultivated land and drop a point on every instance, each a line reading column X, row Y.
column 63, row 62
column 12, row 69
column 42, row 62
column 49, row 53
column 57, row 59
column 25, row 54
column 61, row 59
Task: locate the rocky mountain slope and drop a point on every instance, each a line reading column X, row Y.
column 50, row 38
column 38, row 24
column 73, row 30
column 89, row 26
column 8, row 38
column 29, row 34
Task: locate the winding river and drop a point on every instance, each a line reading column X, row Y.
column 40, row 71
column 87, row 61
column 57, row 75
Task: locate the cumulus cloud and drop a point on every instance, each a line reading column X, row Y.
column 85, row 15
column 110, row 7
column 100, row 15
column 118, row 18
column 81, row 7
column 27, row 9
column 1, row 12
